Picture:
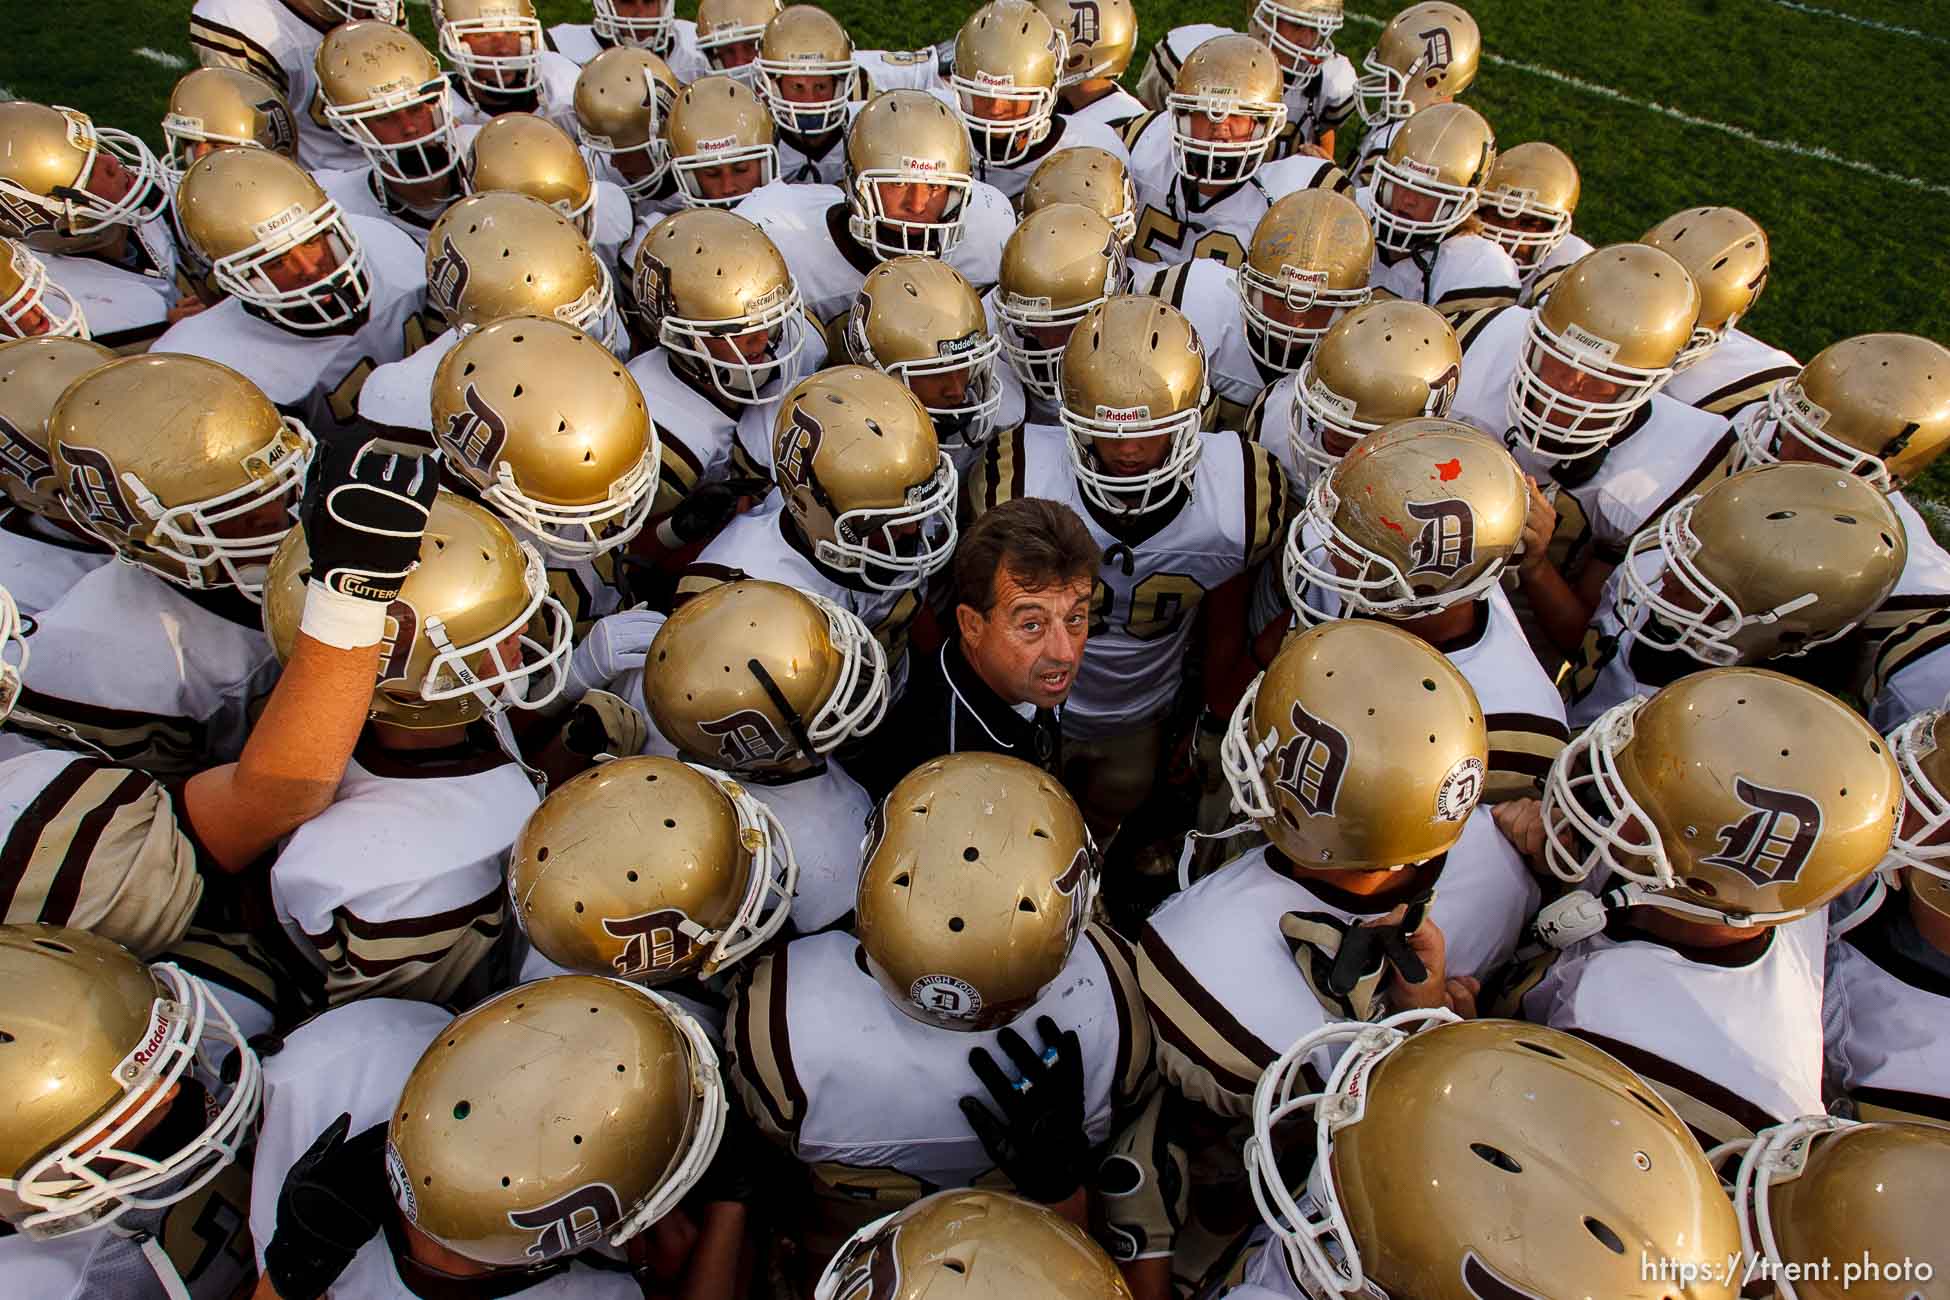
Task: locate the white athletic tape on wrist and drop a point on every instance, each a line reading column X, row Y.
column 346, row 622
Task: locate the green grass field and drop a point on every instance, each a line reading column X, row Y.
column 1834, row 114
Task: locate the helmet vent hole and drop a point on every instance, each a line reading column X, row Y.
column 54, row 946
column 670, row 823
column 956, row 924
column 1647, row 1102
column 578, row 909
column 1785, row 514
column 1845, row 519
column 462, row 1109
column 467, row 369
column 653, row 776
column 1027, row 905
column 1606, row 1237
column 578, row 1139
column 901, row 881
column 630, row 876
column 970, row 853
column 1428, row 684
column 1888, row 541
column 1702, row 886
column 1541, row 1049
column 1784, row 753
column 1844, row 792
column 1040, row 833
column 1371, row 711
column 955, row 1266
column 5, row 1037
column 1501, row 1159
column 619, row 1068
column 506, row 1181
column 541, row 854
column 1875, row 747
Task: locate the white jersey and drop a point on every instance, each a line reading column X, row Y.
column 1313, row 107
column 1538, row 279
column 361, row 194
column 1113, row 109
column 265, row 38
column 901, row 69
column 1270, row 423
column 1373, row 147
column 1733, row 1047
column 1234, row 516
column 127, row 305
column 1738, row 372
column 1064, row 133
column 1459, row 274
column 701, row 441
column 1207, row 291
column 316, row 377
column 38, row 561
column 1886, row 1015
column 1176, row 223
column 396, row 889
column 399, row 394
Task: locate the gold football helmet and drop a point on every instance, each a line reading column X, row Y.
column 31, row 305
column 1422, row 515
column 716, row 294
column 1528, row 201
column 1391, row 360
column 1877, row 405
column 519, row 1167
column 532, row 155
column 1426, row 54
column 1090, row 177
column 1771, row 562
column 622, row 99
column 979, row 1245
column 213, row 107
column 464, row 629
column 495, row 46
column 1726, row 253
column 251, row 213
column 97, row 1042
column 919, row 320
column 1299, row 32
column 1133, row 370
column 1599, row 347
column 1922, row 749
column 762, row 679
column 1102, row 35
column 648, row 32
column 551, row 430
column 977, row 876
column 180, row 465
column 1008, row 57
column 1060, row 262
column 385, row 93
column 33, row 375
column 1735, row 795
column 67, row 184
column 1460, row 1159
column 1228, row 107
column 805, row 43
column 720, row 140
column 1431, row 179
column 1820, row 1192
column 708, row 889
column 503, row 254
column 1307, row 267
column 864, row 478
column 1344, row 764
column 909, row 171
column 729, row 32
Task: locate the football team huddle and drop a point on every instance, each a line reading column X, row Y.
column 663, row 658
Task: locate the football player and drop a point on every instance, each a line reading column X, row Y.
column 720, row 140
column 92, row 203
column 1062, row 260
column 278, row 41
column 622, row 99
column 1760, row 568
column 532, row 155
column 1102, row 35
column 1428, row 53
column 725, row 39
column 1724, row 369
column 1181, row 514
column 1719, row 817
column 316, row 298
column 43, row 552
column 1526, row 208
column 807, row 77
column 1417, row 525
column 502, row 61
column 865, row 512
column 31, row 306
column 218, row 108
column 1422, row 200
column 1091, row 178
column 647, row 25
column 910, row 188
column 1319, row 78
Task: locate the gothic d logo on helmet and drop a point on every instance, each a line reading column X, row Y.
column 20, row 458
column 1771, row 844
column 570, row 1223
column 93, row 480
column 797, row 447
column 476, row 435
column 447, row 277
column 1312, row 764
column 654, row 941
column 747, row 736
column 1447, row 543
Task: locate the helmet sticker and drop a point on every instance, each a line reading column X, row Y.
column 1456, row 798
column 946, row 996
column 1771, row 844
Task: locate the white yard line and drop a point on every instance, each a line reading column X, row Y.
column 1859, row 21
column 159, row 56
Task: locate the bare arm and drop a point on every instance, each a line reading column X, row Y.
column 1149, row 1279
column 717, row 1260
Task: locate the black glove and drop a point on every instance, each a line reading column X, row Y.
column 328, row 1208
column 710, row 507
column 365, row 509
column 1039, row 1142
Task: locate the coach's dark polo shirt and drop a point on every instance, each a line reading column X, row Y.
column 949, row 709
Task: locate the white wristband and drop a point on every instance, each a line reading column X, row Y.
column 345, row 622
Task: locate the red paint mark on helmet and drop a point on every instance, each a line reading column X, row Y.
column 1389, row 523
column 1449, row 469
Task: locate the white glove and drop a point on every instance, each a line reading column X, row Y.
column 615, row 646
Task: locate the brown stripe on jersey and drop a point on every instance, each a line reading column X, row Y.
column 25, row 836
column 65, row 890
column 1746, row 390
column 231, row 48
column 680, row 460
column 132, row 340
column 1332, row 178
column 1255, row 423
column 1192, row 1021
column 1907, row 644
column 1135, row 128
column 761, row 1032
column 697, row 579
column 1458, row 303
column 155, row 742
column 1172, row 284
column 1542, row 285
column 1254, row 494
column 1469, row 328
column 414, row 927
column 1133, row 1026
column 1714, row 1112
column 1894, row 1106
column 1522, row 747
column 1267, row 517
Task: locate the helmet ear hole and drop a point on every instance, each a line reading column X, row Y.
column 1495, row 1156
column 1605, row 1236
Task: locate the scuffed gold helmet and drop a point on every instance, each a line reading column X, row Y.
column 1307, row 267
column 1226, row 77
column 704, row 281
column 762, row 679
column 1735, row 795
column 1422, row 515
column 1426, row 54
column 459, row 636
column 1090, row 177
column 492, row 75
column 1771, row 562
column 31, row 305
column 504, row 254
column 901, row 139
column 710, row 883
column 375, row 72
column 1528, row 201
column 52, row 163
column 631, row 31
column 720, row 140
column 1060, row 262
column 532, row 155
column 622, row 99
column 729, row 32
column 863, row 477
column 1922, row 749
column 1877, row 405
column 213, row 107
column 1612, row 329
column 613, row 1113
column 919, row 320
column 806, row 42
column 978, row 1245
column 551, row 430
column 1818, row 1195
column 1726, row 253
column 977, row 876
column 1008, row 57
column 1465, row 1159
column 33, row 375
column 1390, row 360
column 1102, row 36
column 1133, row 368
column 1299, row 32
column 94, row 1043
column 1431, row 179
column 164, row 458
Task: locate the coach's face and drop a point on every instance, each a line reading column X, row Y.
column 1027, row 647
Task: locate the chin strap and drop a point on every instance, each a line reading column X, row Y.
column 164, row 1268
